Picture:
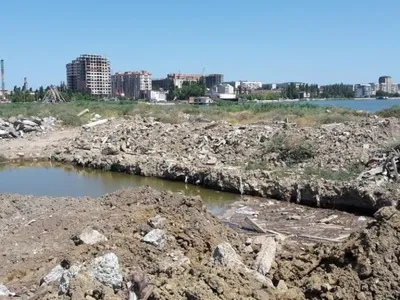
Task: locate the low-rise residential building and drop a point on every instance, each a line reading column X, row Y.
column 248, row 85
column 362, row 90
column 225, row 89
column 158, row 96
column 178, row 79
column 137, row 85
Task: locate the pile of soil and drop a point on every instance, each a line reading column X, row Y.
column 39, row 233
column 366, row 266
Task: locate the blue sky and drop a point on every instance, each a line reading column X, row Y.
column 321, row 41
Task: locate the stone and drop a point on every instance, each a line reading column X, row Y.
column 105, row 269
column 156, row 237
column 248, row 241
column 266, row 256
column 281, row 287
column 157, row 222
column 174, row 260
column 21, row 154
column 5, row 292
column 110, row 149
column 294, row 217
column 53, row 276
column 90, row 236
column 362, row 219
column 29, row 123
column 66, row 278
column 225, row 256
column 385, row 213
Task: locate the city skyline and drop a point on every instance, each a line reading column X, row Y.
column 282, row 41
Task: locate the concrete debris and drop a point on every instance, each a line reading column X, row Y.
column 225, row 256
column 105, row 269
column 90, row 236
column 5, row 292
column 66, row 277
column 83, row 112
column 157, row 222
column 266, row 256
column 53, row 276
column 13, row 126
column 95, row 123
column 156, row 237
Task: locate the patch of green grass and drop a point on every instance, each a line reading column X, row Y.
column 393, row 111
column 3, row 158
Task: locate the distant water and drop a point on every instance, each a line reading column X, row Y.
column 371, row 105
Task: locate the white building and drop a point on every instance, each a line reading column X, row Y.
column 158, row 96
column 362, row 90
column 225, row 89
column 89, row 73
column 248, row 85
column 178, row 78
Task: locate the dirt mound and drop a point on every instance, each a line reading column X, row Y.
column 95, row 248
column 365, row 267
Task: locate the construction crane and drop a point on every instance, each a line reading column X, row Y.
column 3, row 86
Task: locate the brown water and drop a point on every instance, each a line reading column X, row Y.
column 48, row 179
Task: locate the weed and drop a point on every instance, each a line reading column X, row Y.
column 291, row 150
column 349, row 173
column 2, row 158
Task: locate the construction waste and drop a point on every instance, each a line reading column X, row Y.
column 150, row 245
column 16, row 127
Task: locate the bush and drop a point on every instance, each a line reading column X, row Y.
column 393, row 111
column 290, row 149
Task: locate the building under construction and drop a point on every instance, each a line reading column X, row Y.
column 3, row 91
column 90, row 73
column 137, row 85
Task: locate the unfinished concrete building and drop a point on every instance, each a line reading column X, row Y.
column 178, row 78
column 90, row 73
column 136, row 85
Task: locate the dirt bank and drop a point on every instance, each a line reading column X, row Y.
column 314, row 166
column 160, row 245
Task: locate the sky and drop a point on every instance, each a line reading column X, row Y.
column 315, row 41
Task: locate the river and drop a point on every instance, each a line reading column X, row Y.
column 371, row 105
column 48, row 179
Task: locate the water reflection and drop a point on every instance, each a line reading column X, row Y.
column 51, row 179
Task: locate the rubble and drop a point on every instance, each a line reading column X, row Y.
column 5, row 292
column 13, row 126
column 90, row 236
column 105, row 269
column 269, row 161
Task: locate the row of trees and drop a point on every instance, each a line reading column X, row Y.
column 384, row 94
column 292, row 91
column 337, row 91
column 189, row 89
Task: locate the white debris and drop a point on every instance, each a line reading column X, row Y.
column 90, row 236
column 105, row 269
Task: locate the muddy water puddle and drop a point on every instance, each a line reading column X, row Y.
column 48, row 179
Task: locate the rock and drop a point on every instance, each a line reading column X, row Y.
column 174, row 260
column 248, row 241
column 225, row 256
column 385, row 213
column 294, row 217
column 5, row 292
column 65, row 279
column 266, row 256
column 362, row 219
column 29, row 123
column 211, row 161
column 3, row 133
column 90, row 236
column 281, row 287
column 105, row 269
column 12, row 120
column 110, row 149
column 54, row 275
column 157, row 222
column 155, row 237
column 21, row 154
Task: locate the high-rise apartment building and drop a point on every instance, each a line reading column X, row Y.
column 90, row 73
column 135, row 85
column 385, row 84
column 214, row 79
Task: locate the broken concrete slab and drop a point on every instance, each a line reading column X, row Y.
column 157, row 222
column 5, row 292
column 105, row 269
column 53, row 276
column 96, row 123
column 90, row 236
column 156, row 237
column 266, row 256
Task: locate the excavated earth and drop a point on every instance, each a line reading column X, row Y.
column 261, row 160
column 196, row 257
